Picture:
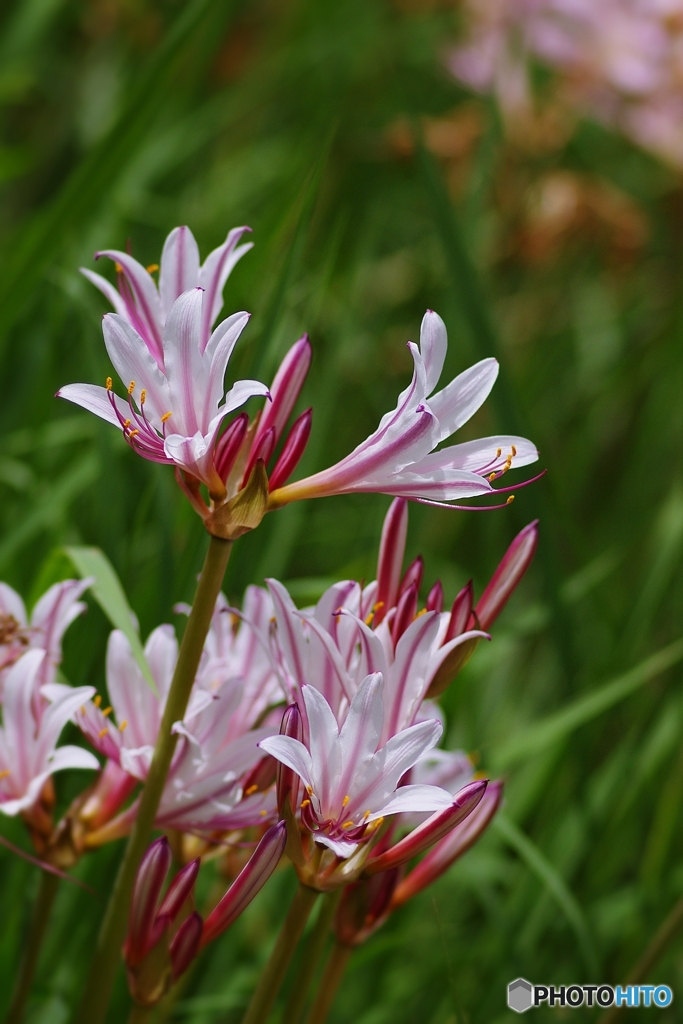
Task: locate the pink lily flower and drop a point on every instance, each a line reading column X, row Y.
column 352, row 778
column 145, row 307
column 43, row 630
column 29, row 755
column 204, row 788
column 399, row 458
column 173, row 411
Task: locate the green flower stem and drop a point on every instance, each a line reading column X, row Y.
column 656, row 949
column 283, row 951
column 311, row 958
column 47, row 891
column 334, row 972
column 140, row 1014
column 113, row 931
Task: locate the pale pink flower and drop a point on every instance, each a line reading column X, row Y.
column 42, row 630
column 146, row 308
column 28, row 747
column 399, row 458
column 176, row 400
column 620, row 61
column 350, row 776
column 204, row 787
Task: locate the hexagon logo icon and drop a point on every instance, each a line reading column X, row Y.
column 520, row 995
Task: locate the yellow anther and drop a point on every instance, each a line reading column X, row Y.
column 102, row 732
column 143, row 396
column 97, row 701
column 499, row 452
column 152, row 268
column 346, row 800
column 508, row 463
column 109, row 383
column 131, row 387
column 510, row 499
column 376, row 823
column 251, row 789
column 126, row 423
column 133, row 433
column 124, row 725
column 82, row 709
column 263, row 813
column 118, row 268
column 376, row 607
column 309, row 790
column 513, row 450
column 305, row 803
column 348, row 824
column 166, row 416
column 107, row 711
column 492, row 477
column 368, row 618
column 422, row 611
column 4, row 773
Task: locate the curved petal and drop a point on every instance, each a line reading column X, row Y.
column 460, row 399
column 325, row 747
column 214, row 273
column 242, row 391
column 179, row 267
column 107, row 289
column 144, row 290
column 217, row 354
column 95, row 399
column 485, row 455
column 185, row 370
column 415, row 799
column 433, row 347
column 291, row 753
column 134, row 364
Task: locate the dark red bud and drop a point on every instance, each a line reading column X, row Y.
column 185, row 945
column 292, row 450
column 406, row 609
column 287, row 782
column 229, row 445
column 413, row 575
column 460, row 613
column 435, row 598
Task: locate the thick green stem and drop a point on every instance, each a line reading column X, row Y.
column 140, row 1014
column 311, row 957
column 334, row 972
column 112, row 933
column 47, row 891
column 665, row 934
column 283, row 951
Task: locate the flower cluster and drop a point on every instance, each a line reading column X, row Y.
column 620, row 61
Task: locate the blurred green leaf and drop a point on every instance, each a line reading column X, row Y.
column 111, row 597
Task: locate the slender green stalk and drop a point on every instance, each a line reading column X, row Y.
column 112, row 933
column 311, row 958
column 334, row 972
column 140, row 1014
column 47, row 891
column 663, row 936
column 283, row 951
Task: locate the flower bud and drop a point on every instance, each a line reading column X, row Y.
column 514, row 564
column 460, row 613
column 287, row 782
column 435, row 598
column 405, row 613
column 229, row 445
column 430, row 831
column 413, row 575
column 248, row 883
column 391, row 552
column 292, row 450
column 364, row 907
column 185, row 944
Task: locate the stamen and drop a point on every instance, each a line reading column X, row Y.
column 109, row 383
column 304, row 803
column 376, row 607
column 422, row 612
column 143, row 396
column 126, row 424
column 513, row 450
column 97, row 701
column 152, row 268
column 346, row 800
column 251, row 789
column 348, row 824
column 118, row 268
column 102, row 732
column 131, row 387
column 123, row 725
column 134, row 432
column 510, row 499
column 4, row 773
column 107, row 711
column 492, row 477
column 166, row 416
column 499, row 452
column 368, row 618
column 263, row 813
column 82, row 709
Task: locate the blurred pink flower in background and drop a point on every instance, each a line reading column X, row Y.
column 620, row 61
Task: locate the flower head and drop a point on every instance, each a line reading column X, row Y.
column 28, row 746
column 399, row 458
column 351, row 779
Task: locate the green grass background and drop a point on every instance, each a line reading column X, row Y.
column 123, row 118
